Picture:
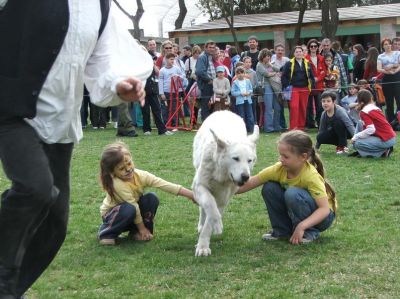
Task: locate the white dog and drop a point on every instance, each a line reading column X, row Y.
column 223, row 156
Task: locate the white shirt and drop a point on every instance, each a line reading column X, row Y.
column 100, row 63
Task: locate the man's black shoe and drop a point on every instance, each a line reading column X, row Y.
column 127, row 134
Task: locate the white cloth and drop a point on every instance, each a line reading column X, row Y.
column 100, row 63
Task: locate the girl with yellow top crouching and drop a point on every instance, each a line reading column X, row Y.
column 300, row 203
column 126, row 206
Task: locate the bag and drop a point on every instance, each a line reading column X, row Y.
column 380, row 97
column 287, row 93
column 259, row 90
column 151, row 86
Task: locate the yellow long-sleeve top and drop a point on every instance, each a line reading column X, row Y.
column 131, row 191
column 308, row 179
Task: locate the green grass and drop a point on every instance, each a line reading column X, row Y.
column 356, row 258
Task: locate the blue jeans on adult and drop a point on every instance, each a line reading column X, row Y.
column 287, row 208
column 245, row 111
column 272, row 111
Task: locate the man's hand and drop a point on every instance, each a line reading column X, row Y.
column 131, row 90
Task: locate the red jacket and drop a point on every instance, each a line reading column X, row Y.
column 318, row 71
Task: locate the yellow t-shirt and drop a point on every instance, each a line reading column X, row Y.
column 308, row 179
column 132, row 190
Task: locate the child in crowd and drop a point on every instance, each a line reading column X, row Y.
column 222, row 88
column 331, row 80
column 252, row 76
column 126, row 207
column 242, row 90
column 377, row 137
column 335, row 125
column 300, row 202
column 349, row 103
column 168, row 72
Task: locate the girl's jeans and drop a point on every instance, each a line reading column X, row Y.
column 287, row 208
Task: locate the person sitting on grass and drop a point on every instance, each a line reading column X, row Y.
column 300, row 202
column 126, row 207
column 377, row 137
column 335, row 125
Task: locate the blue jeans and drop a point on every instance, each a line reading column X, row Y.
column 245, row 111
column 373, row 146
column 272, row 111
column 287, row 208
column 120, row 218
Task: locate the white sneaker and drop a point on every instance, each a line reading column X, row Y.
column 168, row 133
column 306, row 241
column 107, row 242
column 174, row 130
column 147, row 133
column 116, row 125
column 269, row 236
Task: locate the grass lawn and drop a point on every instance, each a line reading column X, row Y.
column 356, row 258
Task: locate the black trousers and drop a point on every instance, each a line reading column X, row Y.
column 34, row 210
column 153, row 103
column 98, row 116
column 205, row 95
column 120, row 218
column 391, row 90
column 337, row 134
column 314, row 99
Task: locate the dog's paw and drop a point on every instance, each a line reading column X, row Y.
column 202, row 250
column 217, row 226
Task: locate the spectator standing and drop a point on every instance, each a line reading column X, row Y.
column 359, row 62
column 297, row 73
column 389, row 64
column 370, row 67
column 319, row 71
column 205, row 74
column 337, row 61
column 253, row 51
column 152, row 48
column 272, row 108
column 187, row 52
column 278, row 60
column 396, row 44
column 235, row 58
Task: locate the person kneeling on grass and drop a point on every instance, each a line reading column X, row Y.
column 335, row 124
column 126, row 207
column 300, row 202
column 377, row 137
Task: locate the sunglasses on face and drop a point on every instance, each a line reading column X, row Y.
column 313, row 46
column 167, row 48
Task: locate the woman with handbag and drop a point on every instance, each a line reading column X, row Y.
column 297, row 73
column 272, row 109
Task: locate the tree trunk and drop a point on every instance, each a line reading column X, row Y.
column 302, row 10
column 134, row 18
column 329, row 19
column 227, row 9
column 182, row 14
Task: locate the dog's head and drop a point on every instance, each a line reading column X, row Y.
column 237, row 158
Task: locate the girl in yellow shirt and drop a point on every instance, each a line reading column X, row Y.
column 126, row 207
column 300, row 203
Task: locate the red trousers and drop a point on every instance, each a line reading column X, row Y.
column 298, row 108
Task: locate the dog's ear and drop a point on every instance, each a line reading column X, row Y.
column 256, row 133
column 220, row 143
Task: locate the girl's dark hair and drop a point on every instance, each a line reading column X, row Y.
column 112, row 155
column 301, row 143
column 328, row 54
column 312, row 41
column 364, row 97
column 372, row 58
column 232, row 51
column 361, row 51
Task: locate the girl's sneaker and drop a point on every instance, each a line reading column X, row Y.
column 269, row 236
column 341, row 150
column 107, row 242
